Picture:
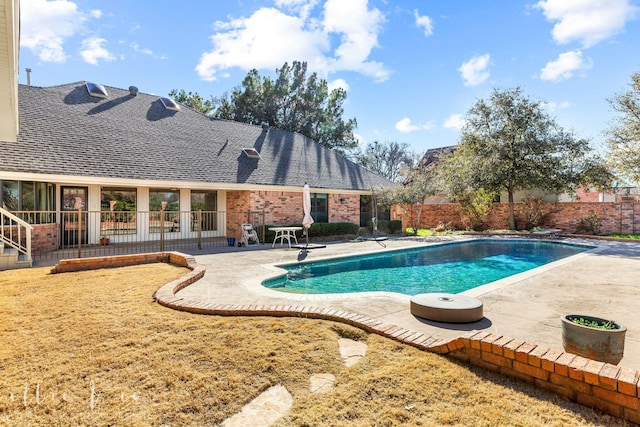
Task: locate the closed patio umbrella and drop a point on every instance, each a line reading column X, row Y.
column 306, row 207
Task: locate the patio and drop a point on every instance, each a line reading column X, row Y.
column 528, row 306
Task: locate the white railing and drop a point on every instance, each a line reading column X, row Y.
column 15, row 233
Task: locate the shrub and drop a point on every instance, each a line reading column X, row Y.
column 383, row 225
column 589, row 225
column 395, row 225
column 474, row 208
column 319, row 229
column 533, row 211
column 444, row 227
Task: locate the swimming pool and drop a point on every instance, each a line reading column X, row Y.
column 451, row 268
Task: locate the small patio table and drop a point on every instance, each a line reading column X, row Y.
column 283, row 233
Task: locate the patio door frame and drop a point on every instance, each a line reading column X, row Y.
column 69, row 230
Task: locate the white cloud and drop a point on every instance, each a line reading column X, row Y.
column 588, row 21
column 405, row 126
column 271, row 36
column 302, row 7
column 454, row 121
column 474, row 71
column 96, row 13
column 136, row 48
column 554, row 107
column 358, row 27
column 46, row 25
column 338, row 83
column 92, row 51
column 424, row 22
column 565, row 66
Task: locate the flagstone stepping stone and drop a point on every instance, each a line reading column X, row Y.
column 321, row 383
column 264, row 410
column 351, row 351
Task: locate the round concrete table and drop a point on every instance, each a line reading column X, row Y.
column 448, row 308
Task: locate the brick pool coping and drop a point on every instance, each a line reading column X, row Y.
column 612, row 389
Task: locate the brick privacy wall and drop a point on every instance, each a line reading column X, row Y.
column 615, row 217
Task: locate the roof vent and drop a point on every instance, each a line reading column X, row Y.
column 97, row 90
column 251, row 153
column 133, row 91
column 265, row 127
column 170, row 104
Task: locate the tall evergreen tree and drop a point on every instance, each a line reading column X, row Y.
column 296, row 101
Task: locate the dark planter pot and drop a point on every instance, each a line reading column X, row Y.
column 604, row 345
column 104, row 241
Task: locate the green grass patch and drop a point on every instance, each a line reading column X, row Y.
column 422, row 232
column 626, row 236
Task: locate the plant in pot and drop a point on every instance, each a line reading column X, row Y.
column 104, row 241
column 593, row 337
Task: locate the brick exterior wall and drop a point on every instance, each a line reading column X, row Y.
column 344, row 208
column 44, row 238
column 279, row 207
column 284, row 208
column 241, row 202
column 615, row 217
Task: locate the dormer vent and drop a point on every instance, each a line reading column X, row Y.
column 97, row 90
column 251, row 153
column 170, row 104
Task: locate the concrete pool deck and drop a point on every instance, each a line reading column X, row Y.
column 603, row 282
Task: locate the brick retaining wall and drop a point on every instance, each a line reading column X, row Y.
column 609, row 388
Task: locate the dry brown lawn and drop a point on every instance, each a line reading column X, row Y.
column 93, row 348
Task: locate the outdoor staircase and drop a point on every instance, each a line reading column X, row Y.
column 10, row 258
column 15, row 242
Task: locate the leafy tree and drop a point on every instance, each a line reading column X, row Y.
column 475, row 207
column 193, row 101
column 624, row 135
column 389, row 159
column 510, row 143
column 420, row 183
column 296, row 102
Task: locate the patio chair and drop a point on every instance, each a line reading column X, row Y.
column 249, row 235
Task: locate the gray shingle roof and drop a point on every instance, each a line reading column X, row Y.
column 65, row 131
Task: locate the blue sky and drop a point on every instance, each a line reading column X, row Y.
column 412, row 69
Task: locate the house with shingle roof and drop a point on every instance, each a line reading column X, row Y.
column 84, row 146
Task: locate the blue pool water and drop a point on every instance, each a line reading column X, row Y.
column 451, row 268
